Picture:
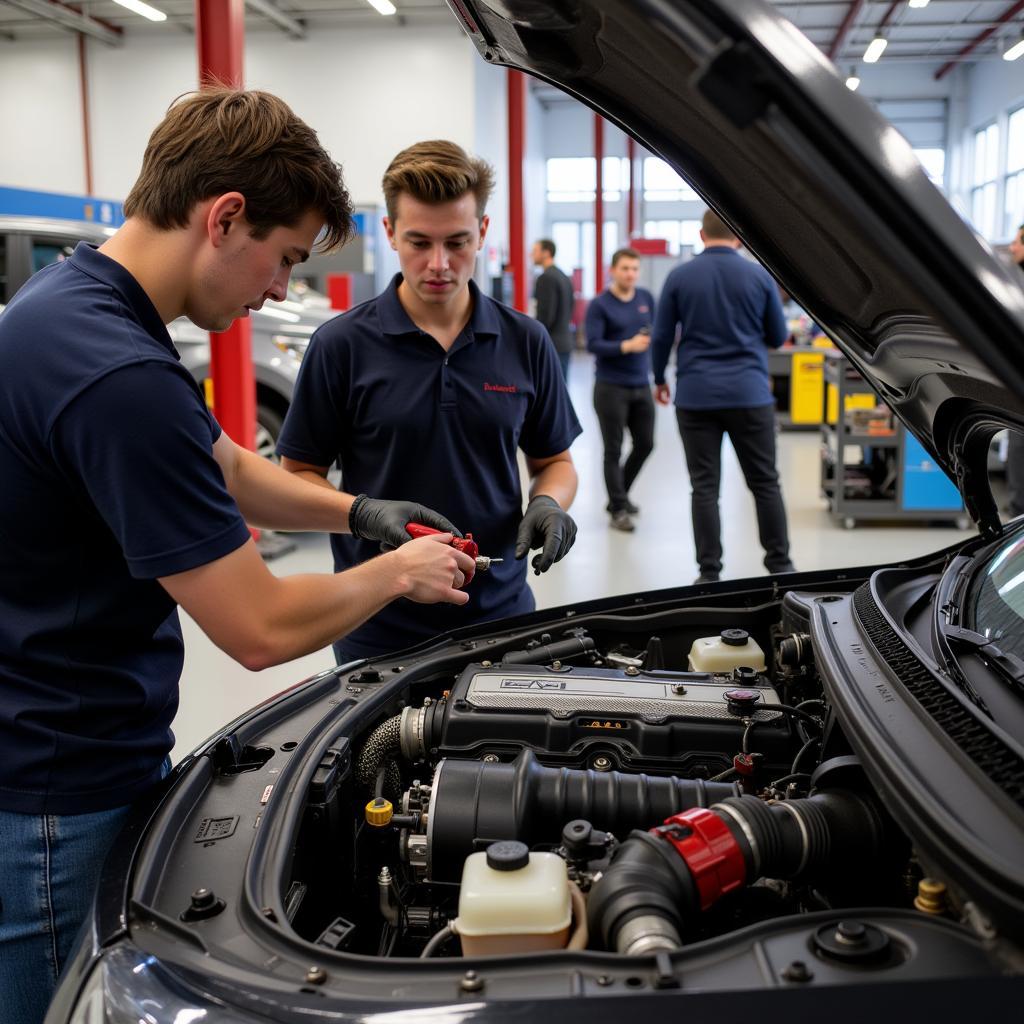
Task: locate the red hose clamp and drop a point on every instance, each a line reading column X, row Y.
column 709, row 850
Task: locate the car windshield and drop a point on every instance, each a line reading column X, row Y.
column 996, row 604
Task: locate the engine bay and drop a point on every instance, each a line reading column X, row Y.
column 631, row 785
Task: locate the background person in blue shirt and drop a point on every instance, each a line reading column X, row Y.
column 429, row 390
column 618, row 328
column 728, row 314
column 122, row 499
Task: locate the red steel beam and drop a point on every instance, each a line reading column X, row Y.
column 599, row 205
column 516, row 91
column 1009, row 13
column 851, row 15
column 83, row 92
column 220, row 45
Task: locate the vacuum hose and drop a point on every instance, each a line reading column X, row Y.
column 657, row 880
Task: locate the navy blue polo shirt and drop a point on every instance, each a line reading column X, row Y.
column 611, row 321
column 405, row 419
column 109, row 481
column 729, row 314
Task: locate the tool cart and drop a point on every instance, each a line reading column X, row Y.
column 871, row 468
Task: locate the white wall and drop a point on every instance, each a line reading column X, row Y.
column 367, row 93
column 41, row 116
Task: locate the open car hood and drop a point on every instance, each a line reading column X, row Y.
column 817, row 184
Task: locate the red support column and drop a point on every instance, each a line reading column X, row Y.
column 599, row 205
column 220, row 39
column 631, row 191
column 516, row 84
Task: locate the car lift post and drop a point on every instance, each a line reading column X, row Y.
column 220, row 45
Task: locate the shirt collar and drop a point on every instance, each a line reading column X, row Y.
column 91, row 261
column 395, row 320
column 715, row 250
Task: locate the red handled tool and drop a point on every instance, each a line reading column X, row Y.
column 466, row 545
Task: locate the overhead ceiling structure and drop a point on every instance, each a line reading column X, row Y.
column 940, row 32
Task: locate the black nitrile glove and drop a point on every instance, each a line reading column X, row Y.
column 548, row 526
column 385, row 521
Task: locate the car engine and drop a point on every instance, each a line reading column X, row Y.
column 606, row 788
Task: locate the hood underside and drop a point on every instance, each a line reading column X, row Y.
column 817, row 184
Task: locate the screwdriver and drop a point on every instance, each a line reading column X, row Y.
column 465, row 544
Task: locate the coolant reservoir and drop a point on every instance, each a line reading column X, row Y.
column 513, row 901
column 732, row 648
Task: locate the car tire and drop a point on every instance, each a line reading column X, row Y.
column 268, row 429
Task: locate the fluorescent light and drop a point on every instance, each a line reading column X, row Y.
column 875, row 49
column 138, row 7
column 1015, row 51
column 918, row 3
column 853, row 83
column 382, row 6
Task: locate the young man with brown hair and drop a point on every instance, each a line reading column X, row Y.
column 430, row 389
column 123, row 499
column 618, row 329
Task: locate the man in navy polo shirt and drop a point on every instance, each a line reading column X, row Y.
column 122, row 499
column 729, row 314
column 429, row 390
column 618, row 328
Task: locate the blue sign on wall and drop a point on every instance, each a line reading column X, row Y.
column 25, row 203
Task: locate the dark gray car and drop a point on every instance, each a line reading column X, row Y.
column 828, row 824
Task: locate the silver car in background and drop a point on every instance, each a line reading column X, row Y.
column 280, row 330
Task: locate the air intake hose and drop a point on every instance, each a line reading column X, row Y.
column 659, row 879
column 474, row 803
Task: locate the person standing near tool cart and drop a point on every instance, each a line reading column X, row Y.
column 430, row 388
column 618, row 330
column 728, row 314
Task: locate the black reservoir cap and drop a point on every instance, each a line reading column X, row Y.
column 735, row 637
column 508, row 855
column 741, row 702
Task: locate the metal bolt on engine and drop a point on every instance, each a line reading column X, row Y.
column 316, row 976
column 471, row 982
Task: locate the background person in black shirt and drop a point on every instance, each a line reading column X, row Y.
column 555, row 301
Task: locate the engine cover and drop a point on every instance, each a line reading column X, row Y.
column 678, row 723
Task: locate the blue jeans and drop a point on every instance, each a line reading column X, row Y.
column 49, row 867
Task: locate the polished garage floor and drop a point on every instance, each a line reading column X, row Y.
column 214, row 689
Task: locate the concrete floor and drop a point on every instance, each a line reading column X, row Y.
column 215, row 689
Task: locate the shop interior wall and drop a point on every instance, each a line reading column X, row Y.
column 367, row 92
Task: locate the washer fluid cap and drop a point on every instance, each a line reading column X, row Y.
column 735, row 637
column 508, row 855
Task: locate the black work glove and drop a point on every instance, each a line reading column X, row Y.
column 385, row 521
column 548, row 526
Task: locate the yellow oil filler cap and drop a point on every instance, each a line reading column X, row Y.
column 379, row 812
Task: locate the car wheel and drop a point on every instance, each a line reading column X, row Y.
column 268, row 430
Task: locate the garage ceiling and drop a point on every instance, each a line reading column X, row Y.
column 944, row 31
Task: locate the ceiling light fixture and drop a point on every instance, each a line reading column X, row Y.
column 1016, row 50
column 384, row 7
column 918, row 3
column 138, row 7
column 853, row 81
column 875, row 49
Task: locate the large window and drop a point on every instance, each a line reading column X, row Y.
column 934, row 163
column 1013, row 204
column 678, row 233
column 573, row 179
column 574, row 241
column 985, row 172
column 662, row 184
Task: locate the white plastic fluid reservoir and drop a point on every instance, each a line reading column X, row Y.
column 732, row 648
column 513, row 901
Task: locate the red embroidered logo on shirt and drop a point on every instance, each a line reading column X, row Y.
column 509, row 388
